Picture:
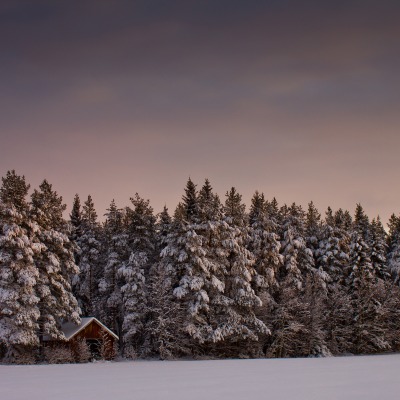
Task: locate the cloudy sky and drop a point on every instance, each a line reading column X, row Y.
column 298, row 99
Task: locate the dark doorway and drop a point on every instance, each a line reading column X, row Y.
column 95, row 348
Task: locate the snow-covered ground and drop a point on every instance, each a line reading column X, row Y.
column 366, row 378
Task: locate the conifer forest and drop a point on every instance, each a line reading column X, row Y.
column 209, row 279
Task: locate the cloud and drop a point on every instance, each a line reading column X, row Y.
column 279, row 95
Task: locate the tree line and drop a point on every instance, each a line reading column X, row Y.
column 211, row 280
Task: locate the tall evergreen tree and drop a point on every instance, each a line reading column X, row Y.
column 265, row 245
column 76, row 218
column 257, row 208
column 164, row 227
column 141, row 242
column 361, row 223
column 297, row 309
column 19, row 310
column 393, row 257
column 240, row 323
column 378, row 249
column 313, row 228
column 86, row 285
column 56, row 264
column 298, row 258
column 199, row 272
column 163, row 311
column 333, row 253
column 368, row 329
column 116, row 253
column 190, row 201
column 74, row 236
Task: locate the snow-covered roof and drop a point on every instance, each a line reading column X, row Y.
column 70, row 329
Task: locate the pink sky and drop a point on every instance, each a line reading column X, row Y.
column 298, row 101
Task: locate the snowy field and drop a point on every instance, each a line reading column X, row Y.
column 367, row 378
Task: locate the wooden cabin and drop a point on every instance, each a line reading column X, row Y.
column 100, row 340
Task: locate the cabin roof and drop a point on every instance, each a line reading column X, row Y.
column 70, row 329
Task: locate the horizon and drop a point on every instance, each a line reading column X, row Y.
column 171, row 208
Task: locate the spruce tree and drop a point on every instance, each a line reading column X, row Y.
column 332, row 258
column 164, row 226
column 76, row 218
column 298, row 258
column 116, row 252
column 133, row 272
column 378, row 249
column 86, row 286
column 190, row 201
column 55, row 263
column 264, row 244
column 19, row 310
column 74, row 236
column 333, row 250
column 393, row 257
column 240, row 327
column 164, row 314
column 258, row 206
column 299, row 301
column 313, row 228
column 183, row 251
column 200, row 273
column 361, row 223
column 368, row 329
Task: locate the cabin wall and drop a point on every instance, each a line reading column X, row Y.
column 95, row 332
column 91, row 332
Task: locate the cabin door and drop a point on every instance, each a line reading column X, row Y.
column 95, row 348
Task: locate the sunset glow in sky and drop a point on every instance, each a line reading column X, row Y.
column 298, row 99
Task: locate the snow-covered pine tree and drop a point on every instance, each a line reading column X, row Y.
column 198, row 275
column 239, row 326
column 393, row 240
column 76, row 222
column 313, row 229
column 360, row 266
column 365, row 291
column 264, row 244
column 202, row 282
column 19, row 310
column 86, row 283
column 141, row 243
column 333, row 250
column 165, row 314
column 343, row 220
column 338, row 319
column 179, row 252
column 297, row 262
column 329, row 217
column 257, row 208
column 189, row 204
column 184, row 254
column 55, row 263
column 220, row 280
column 299, row 300
column 361, row 223
column 74, row 236
column 163, row 228
column 183, row 251
column 298, row 258
column 115, row 245
column 272, row 209
column 332, row 259
column 378, row 249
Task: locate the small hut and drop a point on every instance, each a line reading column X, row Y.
column 101, row 341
